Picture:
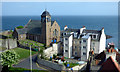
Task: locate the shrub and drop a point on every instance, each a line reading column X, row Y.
column 19, row 27
column 8, row 58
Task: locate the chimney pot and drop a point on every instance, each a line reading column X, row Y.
column 112, row 50
column 109, row 50
column 83, row 26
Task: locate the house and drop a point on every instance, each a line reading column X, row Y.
column 110, row 65
column 83, row 40
column 44, row 31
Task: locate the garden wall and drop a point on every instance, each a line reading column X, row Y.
column 12, row 43
column 51, row 64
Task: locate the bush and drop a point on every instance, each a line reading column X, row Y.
column 54, row 56
column 19, row 27
column 8, row 58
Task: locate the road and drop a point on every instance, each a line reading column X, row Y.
column 26, row 64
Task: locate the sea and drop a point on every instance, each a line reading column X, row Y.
column 110, row 23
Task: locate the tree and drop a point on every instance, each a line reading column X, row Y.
column 8, row 58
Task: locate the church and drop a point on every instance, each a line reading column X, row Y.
column 44, row 31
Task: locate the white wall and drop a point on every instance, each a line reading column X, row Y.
column 102, row 44
column 86, row 50
column 69, row 47
column 88, row 46
column 95, row 46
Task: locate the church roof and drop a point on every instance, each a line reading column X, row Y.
column 32, row 27
column 21, row 31
column 46, row 13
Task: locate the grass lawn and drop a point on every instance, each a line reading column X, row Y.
column 12, row 69
column 2, row 48
column 23, row 53
column 71, row 64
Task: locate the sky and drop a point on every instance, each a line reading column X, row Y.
column 59, row 8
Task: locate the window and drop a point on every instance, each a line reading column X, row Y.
column 66, row 38
column 64, row 33
column 84, row 53
column 80, row 47
column 75, row 47
column 75, row 34
column 66, row 44
column 84, row 46
column 80, row 42
column 94, row 36
column 75, row 53
column 66, row 50
column 48, row 19
column 75, row 42
column 84, row 40
column 55, row 32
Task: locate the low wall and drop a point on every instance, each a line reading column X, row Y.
column 51, row 64
column 11, row 43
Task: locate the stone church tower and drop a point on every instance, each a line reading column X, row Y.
column 48, row 28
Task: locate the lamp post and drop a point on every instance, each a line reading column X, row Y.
column 30, row 59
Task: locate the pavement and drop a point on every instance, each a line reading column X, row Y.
column 26, row 64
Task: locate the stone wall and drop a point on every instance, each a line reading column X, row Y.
column 51, row 64
column 11, row 43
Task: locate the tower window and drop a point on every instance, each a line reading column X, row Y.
column 84, row 53
column 48, row 19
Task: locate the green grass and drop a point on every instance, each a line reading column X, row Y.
column 2, row 48
column 13, row 69
column 19, row 27
column 34, row 44
column 23, row 53
column 71, row 64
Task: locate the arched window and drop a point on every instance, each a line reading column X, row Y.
column 55, row 32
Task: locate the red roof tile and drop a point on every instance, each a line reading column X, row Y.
column 110, row 66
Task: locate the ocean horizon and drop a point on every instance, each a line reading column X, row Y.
column 110, row 23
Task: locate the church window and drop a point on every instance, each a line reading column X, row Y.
column 48, row 19
column 55, row 32
column 43, row 19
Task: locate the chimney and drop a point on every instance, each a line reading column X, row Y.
column 112, row 50
column 65, row 27
column 84, row 27
column 109, row 50
column 92, row 52
column 102, row 30
column 81, row 29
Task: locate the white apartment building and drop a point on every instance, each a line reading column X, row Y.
column 78, row 42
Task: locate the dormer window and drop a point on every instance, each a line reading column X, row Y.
column 65, row 34
column 75, row 34
column 94, row 36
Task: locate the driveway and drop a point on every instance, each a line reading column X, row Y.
column 26, row 64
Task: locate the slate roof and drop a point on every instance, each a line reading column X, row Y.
column 46, row 13
column 73, row 30
column 32, row 27
column 68, row 35
column 93, row 32
column 21, row 31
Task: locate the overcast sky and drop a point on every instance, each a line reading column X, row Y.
column 60, row 8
